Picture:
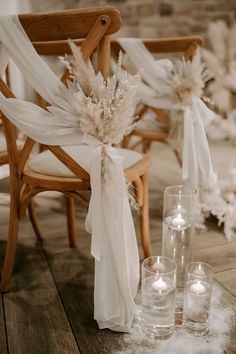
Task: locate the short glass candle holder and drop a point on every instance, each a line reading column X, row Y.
column 197, row 298
column 178, row 231
column 158, row 297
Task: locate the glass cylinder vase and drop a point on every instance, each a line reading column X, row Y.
column 197, row 298
column 178, row 231
column 158, row 296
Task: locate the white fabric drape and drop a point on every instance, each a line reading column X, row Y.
column 18, row 84
column 197, row 165
column 114, row 244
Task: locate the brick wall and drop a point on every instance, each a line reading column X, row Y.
column 156, row 18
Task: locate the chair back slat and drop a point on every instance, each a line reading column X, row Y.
column 68, row 161
column 72, row 24
column 165, row 45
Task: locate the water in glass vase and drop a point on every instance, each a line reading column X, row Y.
column 158, row 308
column 177, row 236
column 196, row 307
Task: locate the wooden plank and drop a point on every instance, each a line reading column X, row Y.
column 3, row 338
column 221, row 257
column 209, row 237
column 91, row 339
column 228, row 279
column 35, row 317
column 73, row 271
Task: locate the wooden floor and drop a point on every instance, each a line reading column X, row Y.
column 49, row 309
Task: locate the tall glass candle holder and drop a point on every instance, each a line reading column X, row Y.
column 178, row 231
column 158, row 296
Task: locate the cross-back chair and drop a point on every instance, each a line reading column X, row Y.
column 29, row 176
column 186, row 46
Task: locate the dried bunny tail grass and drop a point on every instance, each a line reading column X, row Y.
column 82, row 71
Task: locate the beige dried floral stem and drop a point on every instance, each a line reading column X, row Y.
column 105, row 108
column 185, row 80
column 221, row 62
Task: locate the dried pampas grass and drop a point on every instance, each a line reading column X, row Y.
column 185, row 80
column 105, row 108
column 221, row 63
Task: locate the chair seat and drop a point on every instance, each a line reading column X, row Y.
column 46, row 163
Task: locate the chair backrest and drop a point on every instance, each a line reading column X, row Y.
column 48, row 33
column 185, row 45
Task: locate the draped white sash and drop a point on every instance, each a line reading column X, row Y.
column 109, row 219
column 197, row 165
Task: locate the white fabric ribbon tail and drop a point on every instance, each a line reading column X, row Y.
column 196, row 154
column 114, row 243
column 4, row 59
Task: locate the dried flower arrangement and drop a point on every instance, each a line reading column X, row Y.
column 105, row 108
column 184, row 80
column 221, row 202
column 221, row 62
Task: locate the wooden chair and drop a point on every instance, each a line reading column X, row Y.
column 184, row 45
column 4, row 160
column 3, row 144
column 46, row 31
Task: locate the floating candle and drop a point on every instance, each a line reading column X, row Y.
column 159, row 285
column 178, row 221
column 198, row 288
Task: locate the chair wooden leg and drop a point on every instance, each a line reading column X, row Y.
column 34, row 221
column 144, row 219
column 146, row 145
column 11, row 248
column 71, row 222
column 126, row 141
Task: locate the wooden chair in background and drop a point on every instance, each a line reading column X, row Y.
column 186, row 46
column 30, row 176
